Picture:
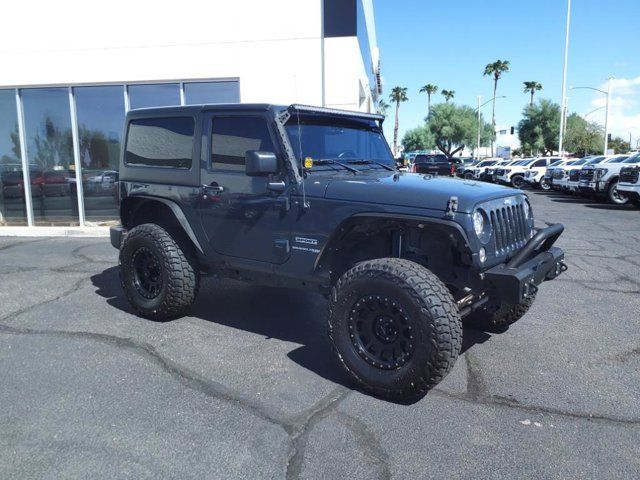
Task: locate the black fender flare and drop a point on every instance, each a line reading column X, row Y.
column 335, row 236
column 180, row 216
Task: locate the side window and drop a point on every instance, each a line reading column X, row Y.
column 232, row 137
column 160, row 142
column 540, row 163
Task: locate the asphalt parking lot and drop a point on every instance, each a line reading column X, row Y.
column 246, row 386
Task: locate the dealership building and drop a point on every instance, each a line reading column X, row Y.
column 67, row 82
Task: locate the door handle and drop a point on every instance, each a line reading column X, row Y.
column 212, row 188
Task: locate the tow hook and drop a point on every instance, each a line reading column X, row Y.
column 530, row 289
column 560, row 268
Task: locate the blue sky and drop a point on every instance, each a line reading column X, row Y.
column 449, row 42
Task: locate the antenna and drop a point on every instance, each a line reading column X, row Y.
column 305, row 204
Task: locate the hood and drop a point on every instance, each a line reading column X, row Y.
column 405, row 189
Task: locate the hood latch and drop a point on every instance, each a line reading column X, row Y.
column 452, row 207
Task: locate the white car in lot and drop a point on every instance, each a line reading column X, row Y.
column 535, row 175
column 629, row 184
column 560, row 178
column 514, row 174
column 473, row 172
column 602, row 180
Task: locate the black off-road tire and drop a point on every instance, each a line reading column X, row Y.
column 179, row 275
column 468, row 176
column 498, row 320
column 517, row 181
column 428, row 309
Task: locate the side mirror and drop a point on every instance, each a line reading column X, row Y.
column 260, row 164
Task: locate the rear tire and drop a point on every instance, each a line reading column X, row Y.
column 498, row 319
column 395, row 328
column 159, row 275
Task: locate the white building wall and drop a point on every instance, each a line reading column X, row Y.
column 344, row 74
column 273, row 47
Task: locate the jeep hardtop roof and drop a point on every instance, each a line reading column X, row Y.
column 250, row 107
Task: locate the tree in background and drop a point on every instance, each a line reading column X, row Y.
column 496, row 69
column 454, row 127
column 583, row 137
column 619, row 145
column 419, row 138
column 398, row 95
column 429, row 89
column 448, row 95
column 532, row 87
column 539, row 128
column 382, row 107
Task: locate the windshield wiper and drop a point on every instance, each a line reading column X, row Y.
column 365, row 162
column 325, row 161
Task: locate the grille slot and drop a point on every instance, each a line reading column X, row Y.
column 586, row 174
column 574, row 175
column 509, row 228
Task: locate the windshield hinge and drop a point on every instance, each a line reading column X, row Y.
column 452, row 207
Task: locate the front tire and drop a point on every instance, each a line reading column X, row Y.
column 159, row 275
column 613, row 196
column 395, row 327
column 468, row 176
column 517, row 181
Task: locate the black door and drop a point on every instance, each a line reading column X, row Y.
column 240, row 216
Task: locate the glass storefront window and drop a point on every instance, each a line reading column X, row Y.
column 100, row 114
column 47, row 122
column 158, row 95
column 211, row 92
column 12, row 204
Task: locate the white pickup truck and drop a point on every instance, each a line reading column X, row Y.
column 602, row 180
column 535, row 175
column 514, row 175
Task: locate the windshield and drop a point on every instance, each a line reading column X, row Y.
column 340, row 140
column 486, row 163
column 632, row 159
column 556, row 163
column 593, row 161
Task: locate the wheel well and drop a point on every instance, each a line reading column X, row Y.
column 438, row 247
column 137, row 211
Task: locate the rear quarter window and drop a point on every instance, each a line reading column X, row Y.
column 160, row 142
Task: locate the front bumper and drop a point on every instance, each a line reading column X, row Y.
column 629, row 190
column 116, row 234
column 537, row 262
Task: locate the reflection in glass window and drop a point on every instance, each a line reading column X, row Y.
column 100, row 113
column 232, row 137
column 211, row 92
column 159, row 95
column 47, row 121
column 160, row 142
column 12, row 204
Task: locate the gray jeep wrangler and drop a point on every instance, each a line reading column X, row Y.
column 310, row 198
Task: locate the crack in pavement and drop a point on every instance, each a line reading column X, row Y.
column 23, row 242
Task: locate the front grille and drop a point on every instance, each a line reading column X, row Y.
column 574, row 175
column 558, row 174
column 509, row 228
column 629, row 175
column 548, row 173
column 499, row 172
column 586, row 174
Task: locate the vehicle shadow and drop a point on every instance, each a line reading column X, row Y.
column 609, row 206
column 285, row 314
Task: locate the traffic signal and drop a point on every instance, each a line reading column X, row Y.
column 512, row 130
column 608, row 137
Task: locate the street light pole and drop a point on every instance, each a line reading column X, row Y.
column 478, row 150
column 564, row 80
column 606, row 118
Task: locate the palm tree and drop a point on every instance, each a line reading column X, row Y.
column 382, row 107
column 532, row 87
column 398, row 95
column 429, row 89
column 496, row 69
column 448, row 95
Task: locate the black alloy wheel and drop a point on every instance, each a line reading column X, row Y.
column 147, row 273
column 380, row 332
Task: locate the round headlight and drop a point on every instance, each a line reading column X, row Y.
column 478, row 222
column 527, row 209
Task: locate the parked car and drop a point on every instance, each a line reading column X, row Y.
column 629, row 184
column 55, row 184
column 473, row 172
column 560, row 178
column 535, row 176
column 488, row 175
column 103, row 182
column 434, row 164
column 602, row 180
column 514, row 174
column 574, row 172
